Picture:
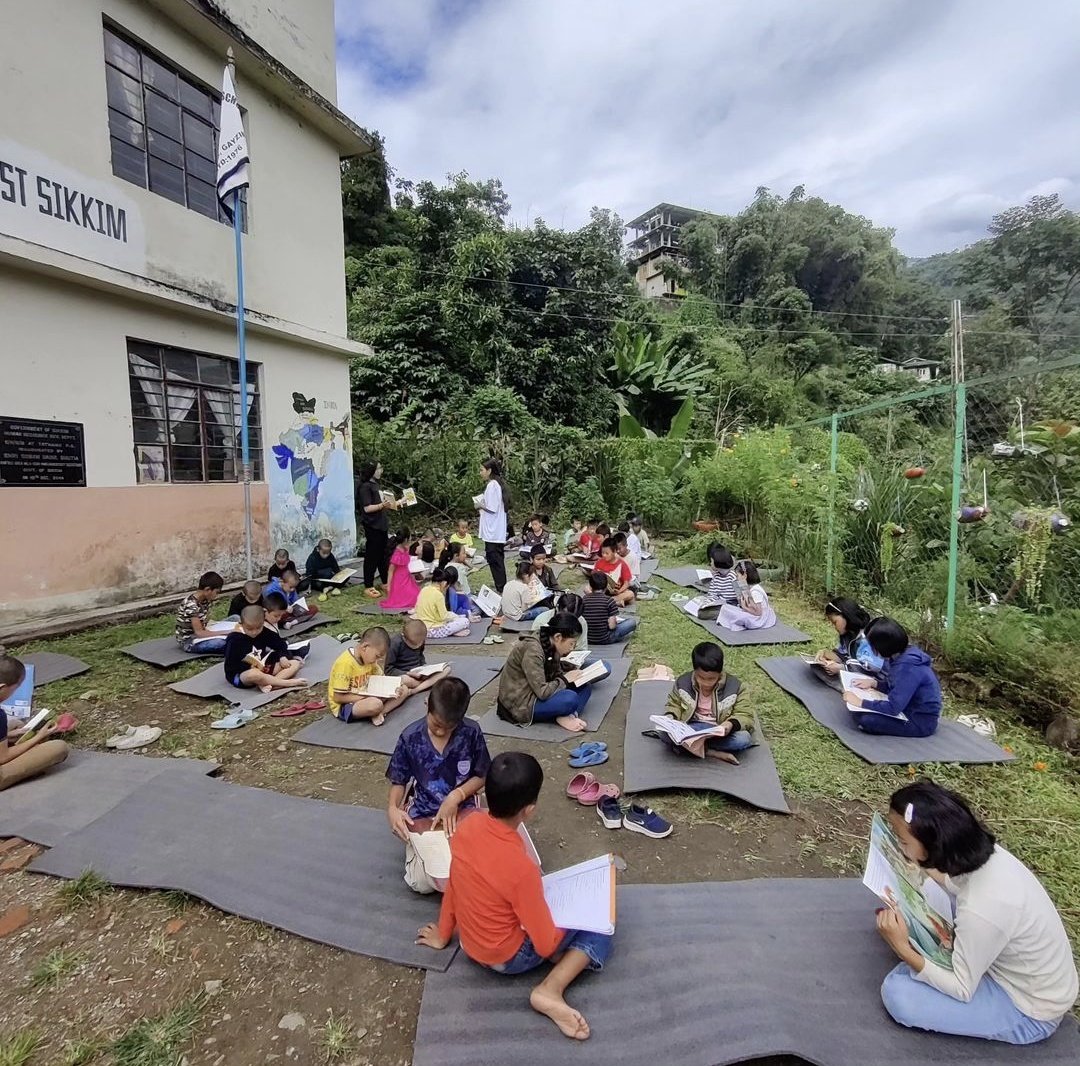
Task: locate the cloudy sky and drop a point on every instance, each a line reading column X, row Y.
column 925, row 115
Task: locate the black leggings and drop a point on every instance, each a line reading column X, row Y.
column 496, row 559
column 376, row 555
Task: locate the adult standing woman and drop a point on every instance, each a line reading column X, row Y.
column 1013, row 977
column 376, row 526
column 493, row 508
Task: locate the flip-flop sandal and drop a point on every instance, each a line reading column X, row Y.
column 578, row 783
column 230, row 721
column 591, row 795
column 315, row 705
column 595, row 757
column 497, row 639
column 488, row 640
column 66, row 723
column 589, row 745
column 289, row 712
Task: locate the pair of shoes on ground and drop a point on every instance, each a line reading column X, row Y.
column 590, row 753
column 635, row 816
column 494, row 639
column 345, row 638
column 134, row 737
column 299, row 708
column 235, row 719
column 587, row 790
column 374, row 594
column 329, row 592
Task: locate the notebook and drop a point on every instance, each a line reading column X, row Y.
column 869, row 697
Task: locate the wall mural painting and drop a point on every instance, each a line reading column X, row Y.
column 311, row 484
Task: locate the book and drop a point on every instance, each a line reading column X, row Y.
column 216, row 631
column 488, row 601
column 408, row 498
column 300, row 605
column 386, row 496
column 685, row 735
column 417, row 566
column 692, row 607
column 576, row 658
column 300, row 647
column 341, row 576
column 593, row 672
column 478, row 501
column 470, row 552
column 383, row 686
column 257, row 661
column 704, row 576
column 583, row 896
column 20, row 702
column 873, row 702
column 924, row 904
column 429, row 669
column 433, row 849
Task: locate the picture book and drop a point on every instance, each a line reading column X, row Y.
column 19, row 703
column 873, row 702
column 488, row 601
column 583, row 896
column 257, row 661
column 382, row 686
column 924, row 904
column 408, row 498
column 685, row 735
column 342, row 576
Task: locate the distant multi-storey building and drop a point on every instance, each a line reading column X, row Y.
column 656, row 241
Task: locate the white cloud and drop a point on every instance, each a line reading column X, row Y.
column 924, row 117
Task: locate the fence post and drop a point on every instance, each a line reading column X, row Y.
column 834, row 460
column 959, row 433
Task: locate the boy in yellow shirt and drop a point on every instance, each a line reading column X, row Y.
column 349, row 676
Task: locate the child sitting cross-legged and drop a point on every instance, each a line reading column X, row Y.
column 249, row 596
column 523, row 597
column 541, row 571
column 610, row 565
column 281, row 563
column 461, row 534
column 754, row 610
column 432, row 609
column 288, row 585
column 406, row 654
column 193, row 614
column 706, row 697
column 445, row 758
column 257, row 657
column 601, row 614
column 349, row 675
column 321, row 565
column 495, row 898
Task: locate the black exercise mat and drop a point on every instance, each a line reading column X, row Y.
column 211, row 683
column 649, row 764
column 515, row 625
column 477, row 632
column 164, row 652
column 793, row 966
column 777, row 634
column 51, row 666
column 476, row 671
column 681, row 575
column 600, row 701
column 83, row 787
column 329, row 872
column 951, row 743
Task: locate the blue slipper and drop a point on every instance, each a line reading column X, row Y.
column 589, row 745
column 591, row 758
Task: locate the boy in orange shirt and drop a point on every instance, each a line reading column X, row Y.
column 495, row 898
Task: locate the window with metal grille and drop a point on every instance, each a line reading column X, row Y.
column 185, row 413
column 163, row 127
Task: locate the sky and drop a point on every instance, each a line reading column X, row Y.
column 927, row 116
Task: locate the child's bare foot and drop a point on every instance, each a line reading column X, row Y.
column 300, row 682
column 723, row 756
column 266, row 688
column 462, row 633
column 571, row 723
column 571, row 1023
column 378, row 719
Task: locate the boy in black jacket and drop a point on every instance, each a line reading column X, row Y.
column 257, row 657
column 321, row 565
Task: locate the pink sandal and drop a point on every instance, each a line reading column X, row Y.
column 595, row 791
column 289, row 712
column 66, row 723
column 579, row 783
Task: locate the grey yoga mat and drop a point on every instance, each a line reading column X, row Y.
column 330, row 732
column 682, row 575
column 211, row 683
column 51, row 666
column 70, row 796
column 951, row 743
column 648, row 568
column 649, row 764
column 329, row 872
column 165, row 652
column 793, row 967
column 777, row 634
column 603, row 696
column 477, row 632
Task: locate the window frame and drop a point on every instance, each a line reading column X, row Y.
column 157, row 356
column 165, row 151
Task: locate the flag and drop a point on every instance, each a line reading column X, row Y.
column 233, row 158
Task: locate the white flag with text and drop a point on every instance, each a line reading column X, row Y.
column 233, row 159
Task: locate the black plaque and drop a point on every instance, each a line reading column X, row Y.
column 34, row 451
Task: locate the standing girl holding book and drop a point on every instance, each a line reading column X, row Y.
column 493, row 506
column 376, row 525
column 403, row 587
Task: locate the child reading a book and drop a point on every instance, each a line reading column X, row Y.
column 281, row 563
column 754, row 610
column 722, row 586
column 622, row 550
column 569, row 603
column 610, row 565
column 706, row 697
column 495, row 898
column 601, row 614
column 454, row 555
column 458, row 602
column 589, row 541
column 523, row 597
column 28, row 758
column 1013, row 977
column 543, row 573
column 535, row 532
column 277, row 612
column 445, row 758
column 431, row 609
column 321, row 564
column 288, row 586
column 193, row 614
column 257, row 657
column 912, row 703
column 535, row 685
column 850, row 620
column 250, row 595
column 349, row 677
column 633, row 542
column 462, row 535
column 572, row 536
column 406, row 655
column 402, row 586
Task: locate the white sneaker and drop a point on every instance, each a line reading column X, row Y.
column 983, row 726
column 138, row 737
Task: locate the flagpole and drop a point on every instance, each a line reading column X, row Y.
column 241, row 349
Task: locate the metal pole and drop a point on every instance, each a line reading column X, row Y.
column 959, row 434
column 245, row 443
column 834, row 460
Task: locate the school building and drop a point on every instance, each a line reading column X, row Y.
column 120, row 474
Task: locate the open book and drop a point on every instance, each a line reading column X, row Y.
column 418, row 566
column 217, row 630
column 478, row 501
column 300, row 606
column 257, row 661
column 692, row 607
column 925, row 905
column 382, row 686
column 704, row 576
column 684, row 734
column 341, row 576
column 300, row 647
column 428, row 670
column 469, row 552
column 18, row 704
column 873, row 702
column 583, row 896
column 488, row 601
column 576, row 658
column 593, row 672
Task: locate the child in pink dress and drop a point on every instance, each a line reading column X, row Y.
column 403, row 587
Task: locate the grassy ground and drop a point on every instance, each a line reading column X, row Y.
column 107, row 977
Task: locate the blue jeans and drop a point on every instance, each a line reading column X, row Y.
column 596, row 945
column 990, row 1015
column 211, row 644
column 535, row 612
column 623, row 630
column 735, row 742
column 565, row 702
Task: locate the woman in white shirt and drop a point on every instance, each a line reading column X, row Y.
column 1013, row 977
column 493, row 508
